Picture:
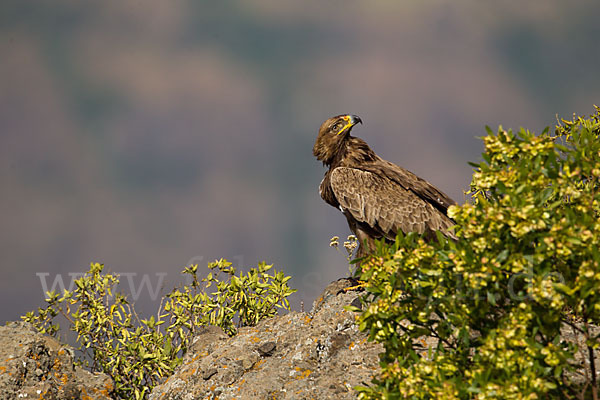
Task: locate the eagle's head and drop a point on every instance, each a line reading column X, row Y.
column 331, row 134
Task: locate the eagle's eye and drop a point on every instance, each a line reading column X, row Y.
column 336, row 127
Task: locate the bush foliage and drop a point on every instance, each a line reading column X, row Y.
column 139, row 353
column 509, row 310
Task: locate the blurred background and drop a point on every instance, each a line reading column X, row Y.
column 150, row 135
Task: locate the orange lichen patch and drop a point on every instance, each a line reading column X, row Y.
column 212, row 388
column 255, row 339
column 84, row 395
column 352, row 345
column 188, row 372
column 304, row 373
column 2, row 369
column 61, row 352
column 106, row 391
column 307, row 319
column 257, row 364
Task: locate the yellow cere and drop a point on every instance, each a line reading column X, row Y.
column 349, row 124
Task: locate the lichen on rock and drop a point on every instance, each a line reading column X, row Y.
column 37, row 366
column 320, row 354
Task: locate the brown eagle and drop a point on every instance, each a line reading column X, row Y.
column 377, row 197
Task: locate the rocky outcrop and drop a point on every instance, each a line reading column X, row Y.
column 36, row 366
column 316, row 355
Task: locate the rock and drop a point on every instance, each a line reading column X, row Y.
column 37, row 366
column 266, row 349
column 208, row 374
column 207, row 339
column 320, row 355
column 356, row 303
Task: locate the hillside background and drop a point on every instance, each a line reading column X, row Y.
column 147, row 135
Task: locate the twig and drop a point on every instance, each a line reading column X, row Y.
column 574, row 326
column 436, row 335
column 593, row 373
column 592, row 363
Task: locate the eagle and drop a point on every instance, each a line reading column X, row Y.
column 377, row 197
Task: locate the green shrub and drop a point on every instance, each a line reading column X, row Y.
column 139, row 353
column 501, row 308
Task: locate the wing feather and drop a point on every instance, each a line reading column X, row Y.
column 384, row 204
column 412, row 182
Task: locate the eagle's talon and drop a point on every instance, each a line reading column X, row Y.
column 361, row 285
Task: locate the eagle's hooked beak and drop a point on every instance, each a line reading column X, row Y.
column 351, row 120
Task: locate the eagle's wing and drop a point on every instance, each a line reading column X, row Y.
column 410, row 181
column 385, row 205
